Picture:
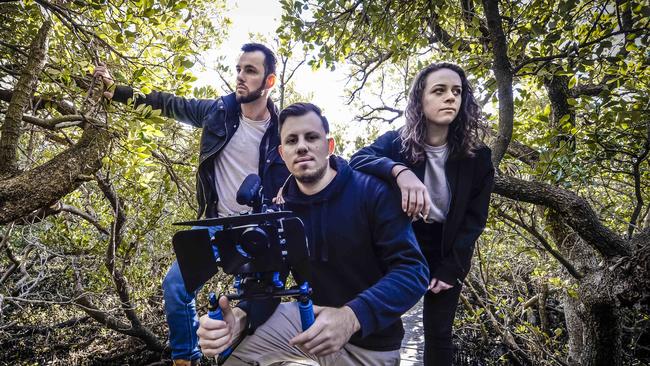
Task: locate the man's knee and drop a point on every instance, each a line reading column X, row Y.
column 171, row 280
column 174, row 287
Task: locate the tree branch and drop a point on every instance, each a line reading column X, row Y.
column 377, row 61
column 135, row 329
column 537, row 235
column 369, row 117
column 47, row 183
column 574, row 209
column 573, row 49
column 636, row 173
column 76, row 28
column 23, row 91
column 589, row 90
column 86, row 216
column 225, row 82
column 115, row 241
column 503, row 331
column 503, row 75
column 439, row 34
column 519, row 151
column 85, row 304
column 38, row 102
column 13, row 47
column 183, row 188
column 57, row 122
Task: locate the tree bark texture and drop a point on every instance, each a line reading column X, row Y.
column 592, row 311
column 574, row 327
column 20, row 100
column 602, row 335
column 557, row 88
column 47, row 183
column 574, row 209
column 503, row 74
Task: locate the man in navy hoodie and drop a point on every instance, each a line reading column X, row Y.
column 240, row 137
column 366, row 267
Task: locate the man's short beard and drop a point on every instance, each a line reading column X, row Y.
column 313, row 177
column 252, row 96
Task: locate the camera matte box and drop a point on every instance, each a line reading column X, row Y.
column 195, row 257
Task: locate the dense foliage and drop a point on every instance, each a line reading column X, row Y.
column 87, row 197
column 561, row 273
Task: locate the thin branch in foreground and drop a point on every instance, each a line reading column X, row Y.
column 537, row 235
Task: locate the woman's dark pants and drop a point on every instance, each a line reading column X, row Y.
column 438, row 309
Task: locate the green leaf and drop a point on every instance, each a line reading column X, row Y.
column 187, row 64
column 564, row 119
column 138, row 72
column 573, row 81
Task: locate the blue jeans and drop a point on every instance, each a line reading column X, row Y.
column 180, row 310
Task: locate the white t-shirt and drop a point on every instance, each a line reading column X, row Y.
column 435, row 180
column 239, row 158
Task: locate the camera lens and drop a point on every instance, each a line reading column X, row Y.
column 254, row 241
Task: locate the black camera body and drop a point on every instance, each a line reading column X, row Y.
column 259, row 248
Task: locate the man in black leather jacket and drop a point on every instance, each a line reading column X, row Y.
column 239, row 137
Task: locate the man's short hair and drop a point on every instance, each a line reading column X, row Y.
column 300, row 109
column 270, row 61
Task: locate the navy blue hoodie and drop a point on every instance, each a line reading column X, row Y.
column 363, row 253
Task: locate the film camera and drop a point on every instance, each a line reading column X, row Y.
column 255, row 247
column 258, row 248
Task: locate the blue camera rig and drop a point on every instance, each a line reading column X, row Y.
column 258, row 249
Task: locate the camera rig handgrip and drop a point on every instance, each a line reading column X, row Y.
column 214, row 312
column 306, row 307
column 302, row 294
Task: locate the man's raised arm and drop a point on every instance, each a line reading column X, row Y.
column 190, row 111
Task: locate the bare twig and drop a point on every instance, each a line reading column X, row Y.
column 540, row 238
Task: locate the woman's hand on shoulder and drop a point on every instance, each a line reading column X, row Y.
column 415, row 196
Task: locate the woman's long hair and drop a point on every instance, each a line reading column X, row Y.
column 463, row 136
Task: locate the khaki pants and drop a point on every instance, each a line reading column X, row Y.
column 270, row 346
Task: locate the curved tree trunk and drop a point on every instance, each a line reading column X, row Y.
column 503, row 74
column 592, row 312
column 602, row 335
column 20, row 98
column 595, row 333
column 47, row 183
column 40, row 187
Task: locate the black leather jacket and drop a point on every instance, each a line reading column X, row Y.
column 219, row 119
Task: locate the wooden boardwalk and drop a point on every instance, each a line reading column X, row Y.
column 413, row 342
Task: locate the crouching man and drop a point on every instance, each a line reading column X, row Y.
column 366, row 267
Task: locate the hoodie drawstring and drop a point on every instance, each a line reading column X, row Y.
column 324, row 248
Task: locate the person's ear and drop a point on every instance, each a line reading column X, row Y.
column 331, row 145
column 280, row 151
column 270, row 81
